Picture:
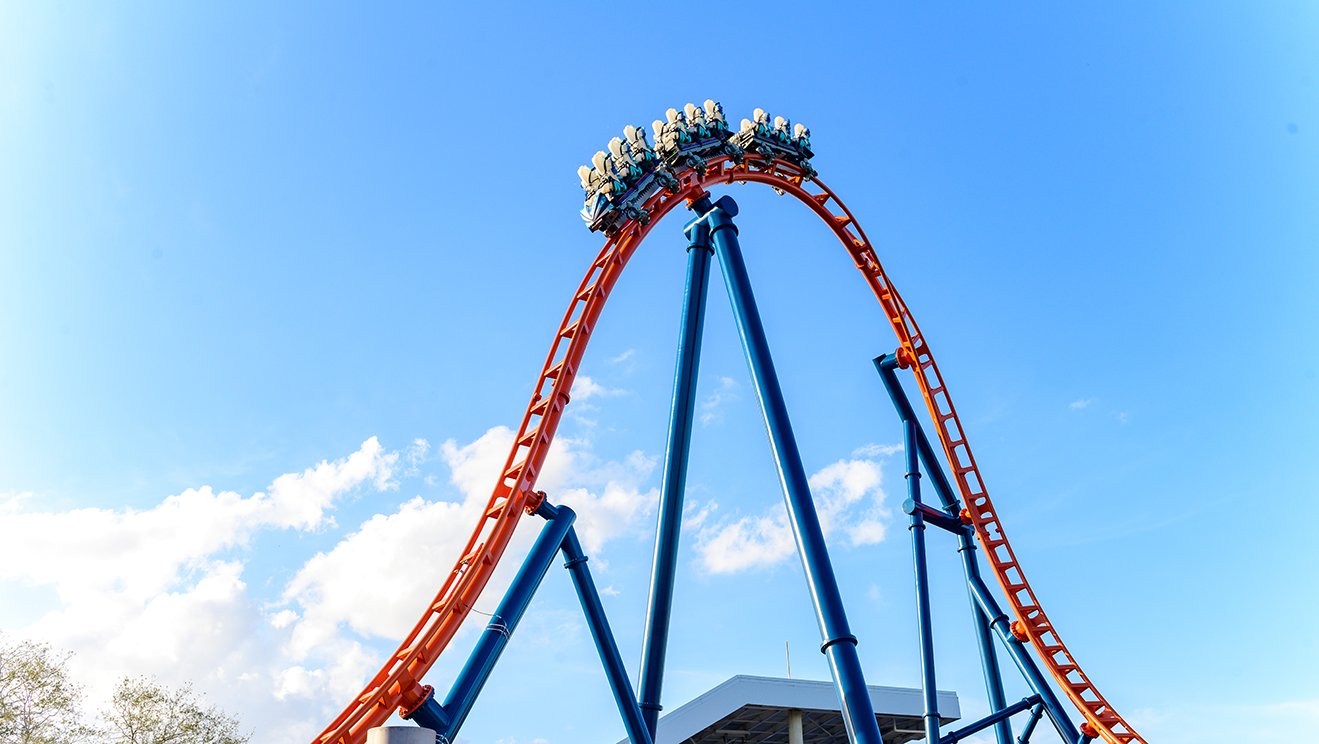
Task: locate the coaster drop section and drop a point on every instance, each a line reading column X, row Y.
column 628, row 189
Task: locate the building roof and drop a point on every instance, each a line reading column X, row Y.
column 754, row 710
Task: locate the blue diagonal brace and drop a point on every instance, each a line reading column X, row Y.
column 839, row 645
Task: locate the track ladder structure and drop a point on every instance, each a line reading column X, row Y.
column 1023, row 628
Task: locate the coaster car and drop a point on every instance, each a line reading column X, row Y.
column 622, row 181
column 694, row 135
column 776, row 141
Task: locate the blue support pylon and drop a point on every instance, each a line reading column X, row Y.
column 615, row 672
column 660, row 607
column 839, row 645
column 557, row 534
column 987, row 613
column 1035, row 714
column 446, row 719
column 999, row 715
column 998, row 622
column 966, row 548
column 923, row 623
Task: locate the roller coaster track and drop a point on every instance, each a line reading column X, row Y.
column 398, row 684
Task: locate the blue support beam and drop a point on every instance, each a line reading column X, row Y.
column 937, row 517
column 656, row 636
column 989, row 720
column 998, row 621
column 923, row 623
column 985, row 640
column 839, row 645
column 1035, row 714
column 886, row 366
column 430, row 714
column 624, row 697
column 446, row 719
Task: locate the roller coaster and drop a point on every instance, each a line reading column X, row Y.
column 627, row 191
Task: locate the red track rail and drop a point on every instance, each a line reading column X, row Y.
column 398, row 684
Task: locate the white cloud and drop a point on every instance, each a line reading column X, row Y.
column 606, row 495
column 475, row 466
column 584, row 388
column 748, row 542
column 378, row 579
column 140, row 553
column 163, row 591
column 14, row 501
column 1080, row 403
column 283, row 618
column 158, row 591
column 623, row 357
column 840, row 488
column 712, row 405
column 416, row 454
column 694, row 515
column 849, row 498
column 876, row 450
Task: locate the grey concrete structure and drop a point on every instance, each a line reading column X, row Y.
column 761, row 710
column 400, row 735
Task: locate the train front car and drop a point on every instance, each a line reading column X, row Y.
column 622, row 181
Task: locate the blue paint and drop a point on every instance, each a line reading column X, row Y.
column 998, row 622
column 1035, row 714
column 624, row 697
column 430, row 714
column 886, row 366
column 989, row 720
column 446, row 719
column 936, row 517
column 917, row 530
column 965, row 543
column 839, row 645
column 656, row 636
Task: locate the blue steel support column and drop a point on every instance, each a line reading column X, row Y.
column 446, row 719
column 987, row 721
column 965, row 544
column 575, row 562
column 839, row 644
column 1038, row 684
column 1035, row 714
column 656, row 636
column 917, row 529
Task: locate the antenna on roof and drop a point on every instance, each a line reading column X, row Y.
column 787, row 652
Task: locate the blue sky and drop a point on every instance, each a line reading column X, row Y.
column 275, row 281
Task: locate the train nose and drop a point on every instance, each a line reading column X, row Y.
column 594, row 209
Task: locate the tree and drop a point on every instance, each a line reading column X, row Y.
column 142, row 711
column 39, row 704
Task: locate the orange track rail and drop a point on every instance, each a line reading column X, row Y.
column 398, row 684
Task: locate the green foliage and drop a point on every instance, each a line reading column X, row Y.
column 144, row 712
column 39, row 704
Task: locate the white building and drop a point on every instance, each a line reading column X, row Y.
column 766, row 710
